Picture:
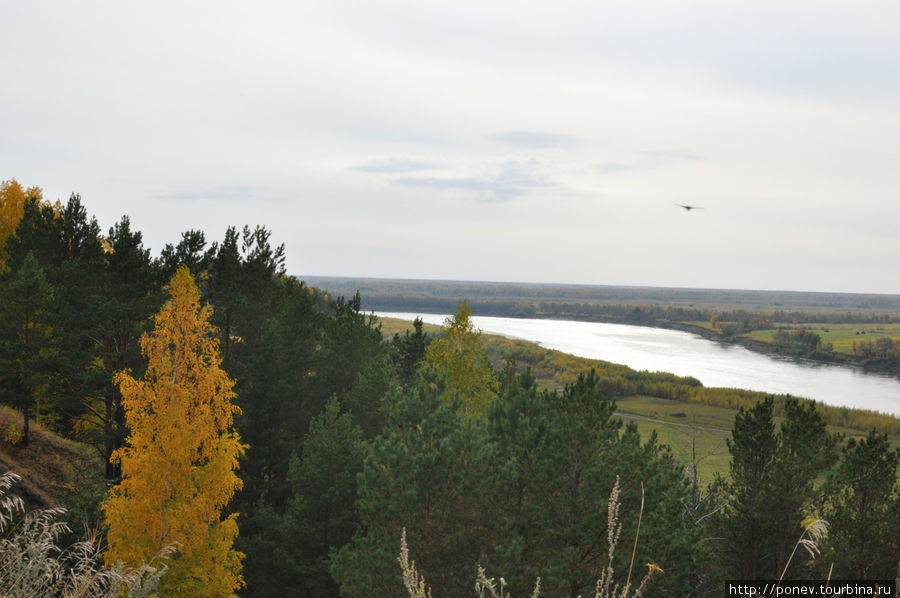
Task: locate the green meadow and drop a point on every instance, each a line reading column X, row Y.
column 841, row 336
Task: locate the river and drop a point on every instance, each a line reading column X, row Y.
column 686, row 354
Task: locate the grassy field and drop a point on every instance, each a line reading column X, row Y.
column 841, row 336
column 689, row 429
column 702, row 430
column 392, row 326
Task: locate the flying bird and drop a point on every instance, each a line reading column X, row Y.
column 687, row 207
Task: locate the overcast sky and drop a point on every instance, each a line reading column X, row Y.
column 506, row 141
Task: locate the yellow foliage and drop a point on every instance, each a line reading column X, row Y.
column 460, row 356
column 13, row 435
column 12, row 207
column 179, row 464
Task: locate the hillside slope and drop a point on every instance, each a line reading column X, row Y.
column 53, row 469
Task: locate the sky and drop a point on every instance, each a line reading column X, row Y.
column 493, row 141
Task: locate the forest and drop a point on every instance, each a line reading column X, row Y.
column 256, row 436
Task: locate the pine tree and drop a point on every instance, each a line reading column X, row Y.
column 179, row 462
column 26, row 347
column 862, row 502
column 771, row 487
column 408, row 351
column 430, row 471
column 748, row 535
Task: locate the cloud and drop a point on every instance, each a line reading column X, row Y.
column 613, row 167
column 650, row 160
column 532, row 139
column 237, row 194
column 394, row 165
column 670, row 156
column 513, row 180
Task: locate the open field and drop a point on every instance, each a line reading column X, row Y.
column 688, row 429
column 841, row 336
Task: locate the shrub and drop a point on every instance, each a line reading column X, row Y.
column 32, row 565
column 13, row 435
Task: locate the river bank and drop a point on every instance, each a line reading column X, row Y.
column 765, row 348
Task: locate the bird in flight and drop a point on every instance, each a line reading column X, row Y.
column 687, row 207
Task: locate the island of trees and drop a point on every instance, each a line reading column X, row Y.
column 239, row 432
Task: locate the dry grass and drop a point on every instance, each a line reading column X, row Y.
column 33, row 565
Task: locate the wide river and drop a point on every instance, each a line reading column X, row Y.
column 686, row 354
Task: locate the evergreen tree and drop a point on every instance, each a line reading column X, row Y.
column 863, row 509
column 748, row 534
column 66, row 244
column 311, row 350
column 408, row 351
column 771, row 487
column 188, row 252
column 562, row 452
column 26, row 345
column 430, row 471
column 129, row 295
column 805, row 448
column 321, row 515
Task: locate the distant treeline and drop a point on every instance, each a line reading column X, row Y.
column 504, row 297
column 643, row 313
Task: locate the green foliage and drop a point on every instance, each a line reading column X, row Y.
column 863, row 508
column 771, row 487
column 189, row 251
column 460, row 357
column 408, row 351
column 103, row 292
column 561, row 453
column 13, row 435
column 319, row 516
column 26, row 347
column 308, row 350
column 431, row 470
column 605, row 587
column 129, row 293
column 522, row 492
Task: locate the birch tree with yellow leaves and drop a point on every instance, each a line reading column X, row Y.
column 179, row 463
column 459, row 355
column 12, row 206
